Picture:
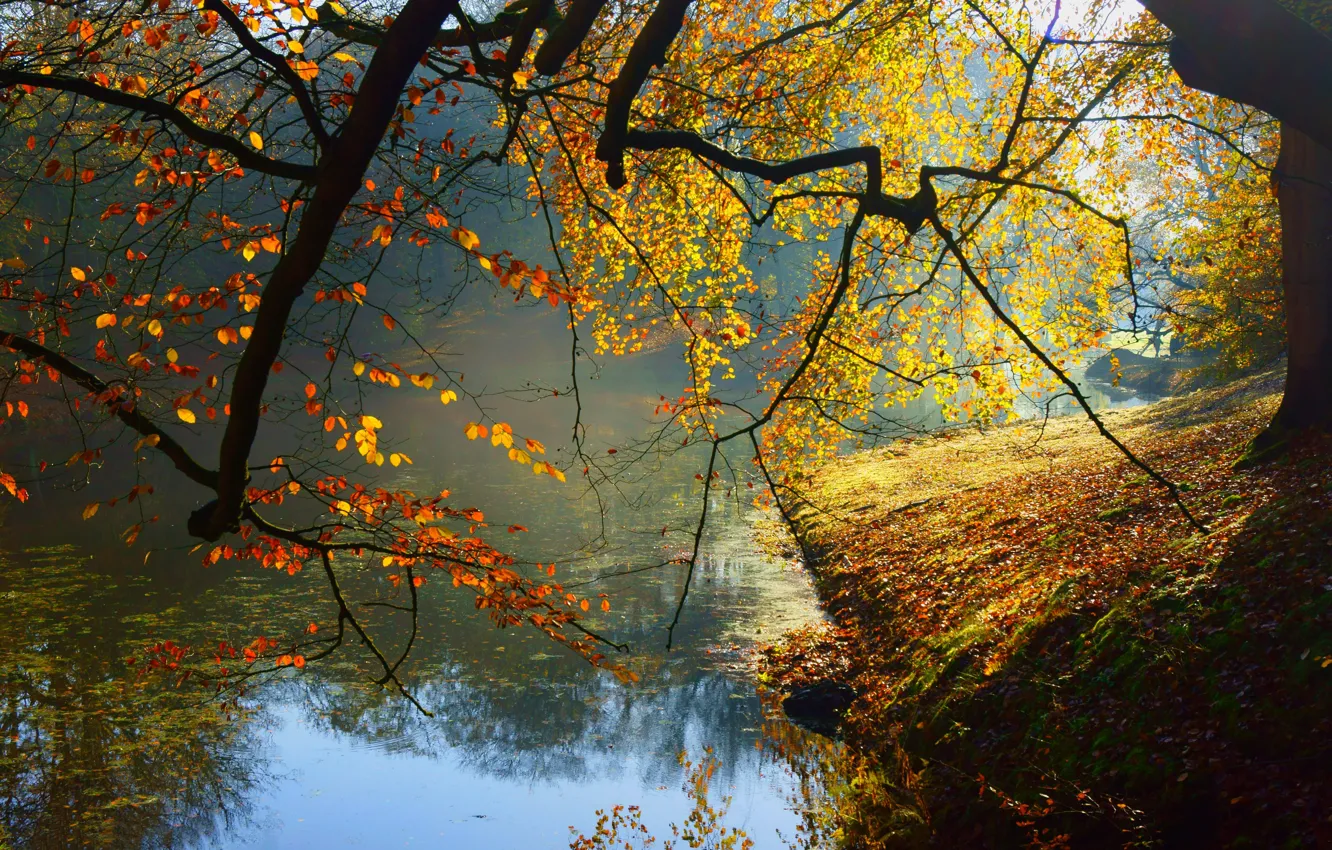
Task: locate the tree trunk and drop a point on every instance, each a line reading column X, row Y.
column 1256, row 52
column 1304, row 193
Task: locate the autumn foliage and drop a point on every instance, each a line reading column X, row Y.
column 836, row 210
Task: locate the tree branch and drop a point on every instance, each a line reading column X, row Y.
column 956, row 250
column 278, row 64
column 911, row 212
column 648, row 50
column 246, row 157
column 126, row 412
column 565, row 38
column 348, row 157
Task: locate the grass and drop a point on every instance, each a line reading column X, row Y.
column 1049, row 655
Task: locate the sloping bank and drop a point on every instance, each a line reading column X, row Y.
column 1047, row 654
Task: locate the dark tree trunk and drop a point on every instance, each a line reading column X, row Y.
column 1304, row 194
column 1258, row 52
column 1255, row 52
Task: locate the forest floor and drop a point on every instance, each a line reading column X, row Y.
column 1048, row 654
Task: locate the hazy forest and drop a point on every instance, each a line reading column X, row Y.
column 605, row 424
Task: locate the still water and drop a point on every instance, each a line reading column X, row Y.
column 525, row 741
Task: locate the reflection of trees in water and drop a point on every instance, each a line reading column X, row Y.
column 507, row 706
column 92, row 755
column 550, row 731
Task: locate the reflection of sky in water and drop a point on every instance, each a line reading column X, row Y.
column 526, row 741
column 349, row 794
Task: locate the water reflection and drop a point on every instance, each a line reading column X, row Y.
column 92, row 754
column 98, row 753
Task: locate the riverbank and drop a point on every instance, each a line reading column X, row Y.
column 1048, row 654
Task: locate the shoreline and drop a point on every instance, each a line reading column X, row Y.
column 1047, row 654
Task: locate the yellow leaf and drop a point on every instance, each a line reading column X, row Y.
column 150, row 440
column 78, row 273
column 294, row 47
column 250, row 250
column 395, row 458
column 106, row 320
column 172, row 355
column 246, row 330
column 473, row 430
column 257, row 141
column 91, row 509
column 520, row 79
column 358, row 368
column 344, row 57
column 337, row 7
column 343, row 507
column 155, row 328
column 186, row 415
column 447, row 396
column 368, row 421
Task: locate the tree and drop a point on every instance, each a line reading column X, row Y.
column 1262, row 53
column 971, row 164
